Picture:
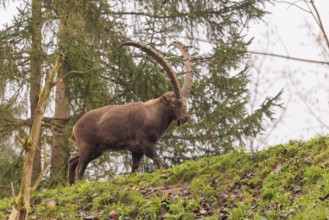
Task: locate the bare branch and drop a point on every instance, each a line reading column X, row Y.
column 318, row 19
column 206, row 57
column 21, row 209
column 60, row 78
column 293, row 4
column 289, row 57
column 257, row 53
column 13, row 192
column 13, row 214
column 310, row 10
column 44, row 168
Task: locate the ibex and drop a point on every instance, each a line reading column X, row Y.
column 135, row 127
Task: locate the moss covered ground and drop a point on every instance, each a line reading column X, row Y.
column 288, row 181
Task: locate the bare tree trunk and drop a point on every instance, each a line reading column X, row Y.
column 22, row 202
column 36, row 63
column 67, row 32
column 59, row 152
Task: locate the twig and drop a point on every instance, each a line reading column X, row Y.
column 204, row 58
column 13, row 192
column 12, row 100
column 21, row 142
column 289, row 57
column 318, row 19
column 324, row 197
column 293, row 4
column 60, row 78
column 259, row 53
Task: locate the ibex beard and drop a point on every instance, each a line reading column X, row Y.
column 135, row 127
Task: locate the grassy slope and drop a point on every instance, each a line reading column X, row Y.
column 284, row 182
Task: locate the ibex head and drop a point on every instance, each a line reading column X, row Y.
column 177, row 106
column 176, row 100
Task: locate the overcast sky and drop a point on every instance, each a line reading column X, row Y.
column 291, row 31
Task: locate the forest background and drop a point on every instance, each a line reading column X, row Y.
column 229, row 104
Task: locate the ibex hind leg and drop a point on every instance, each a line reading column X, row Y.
column 136, row 157
column 84, row 158
column 73, row 163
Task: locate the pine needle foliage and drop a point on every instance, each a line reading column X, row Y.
column 101, row 74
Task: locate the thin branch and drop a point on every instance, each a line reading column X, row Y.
column 13, row 192
column 289, row 57
column 12, row 100
column 50, row 119
column 60, row 78
column 255, row 52
column 282, row 42
column 309, row 8
column 204, row 58
column 176, row 14
column 319, row 21
column 293, row 4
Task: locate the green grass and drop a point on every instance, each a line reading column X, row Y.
column 283, row 182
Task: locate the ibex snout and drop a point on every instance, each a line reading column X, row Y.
column 182, row 120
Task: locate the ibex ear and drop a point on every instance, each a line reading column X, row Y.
column 167, row 98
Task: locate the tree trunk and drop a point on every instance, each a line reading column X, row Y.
column 22, row 203
column 35, row 79
column 59, row 152
column 67, row 32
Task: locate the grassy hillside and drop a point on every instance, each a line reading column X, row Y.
column 284, row 182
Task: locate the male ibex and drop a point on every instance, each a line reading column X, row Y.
column 135, row 127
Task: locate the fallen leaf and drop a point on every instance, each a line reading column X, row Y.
column 203, row 212
column 296, row 189
column 254, row 205
column 52, row 203
column 114, row 214
column 277, row 168
column 163, row 212
column 90, row 218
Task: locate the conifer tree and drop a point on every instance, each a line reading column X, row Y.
column 96, row 73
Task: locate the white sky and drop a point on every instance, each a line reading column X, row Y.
column 306, row 86
column 289, row 30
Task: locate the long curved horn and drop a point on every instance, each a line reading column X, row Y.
column 188, row 80
column 162, row 61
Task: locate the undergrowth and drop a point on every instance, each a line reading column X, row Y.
column 283, row 182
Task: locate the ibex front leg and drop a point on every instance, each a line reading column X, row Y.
column 73, row 163
column 149, row 150
column 87, row 153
